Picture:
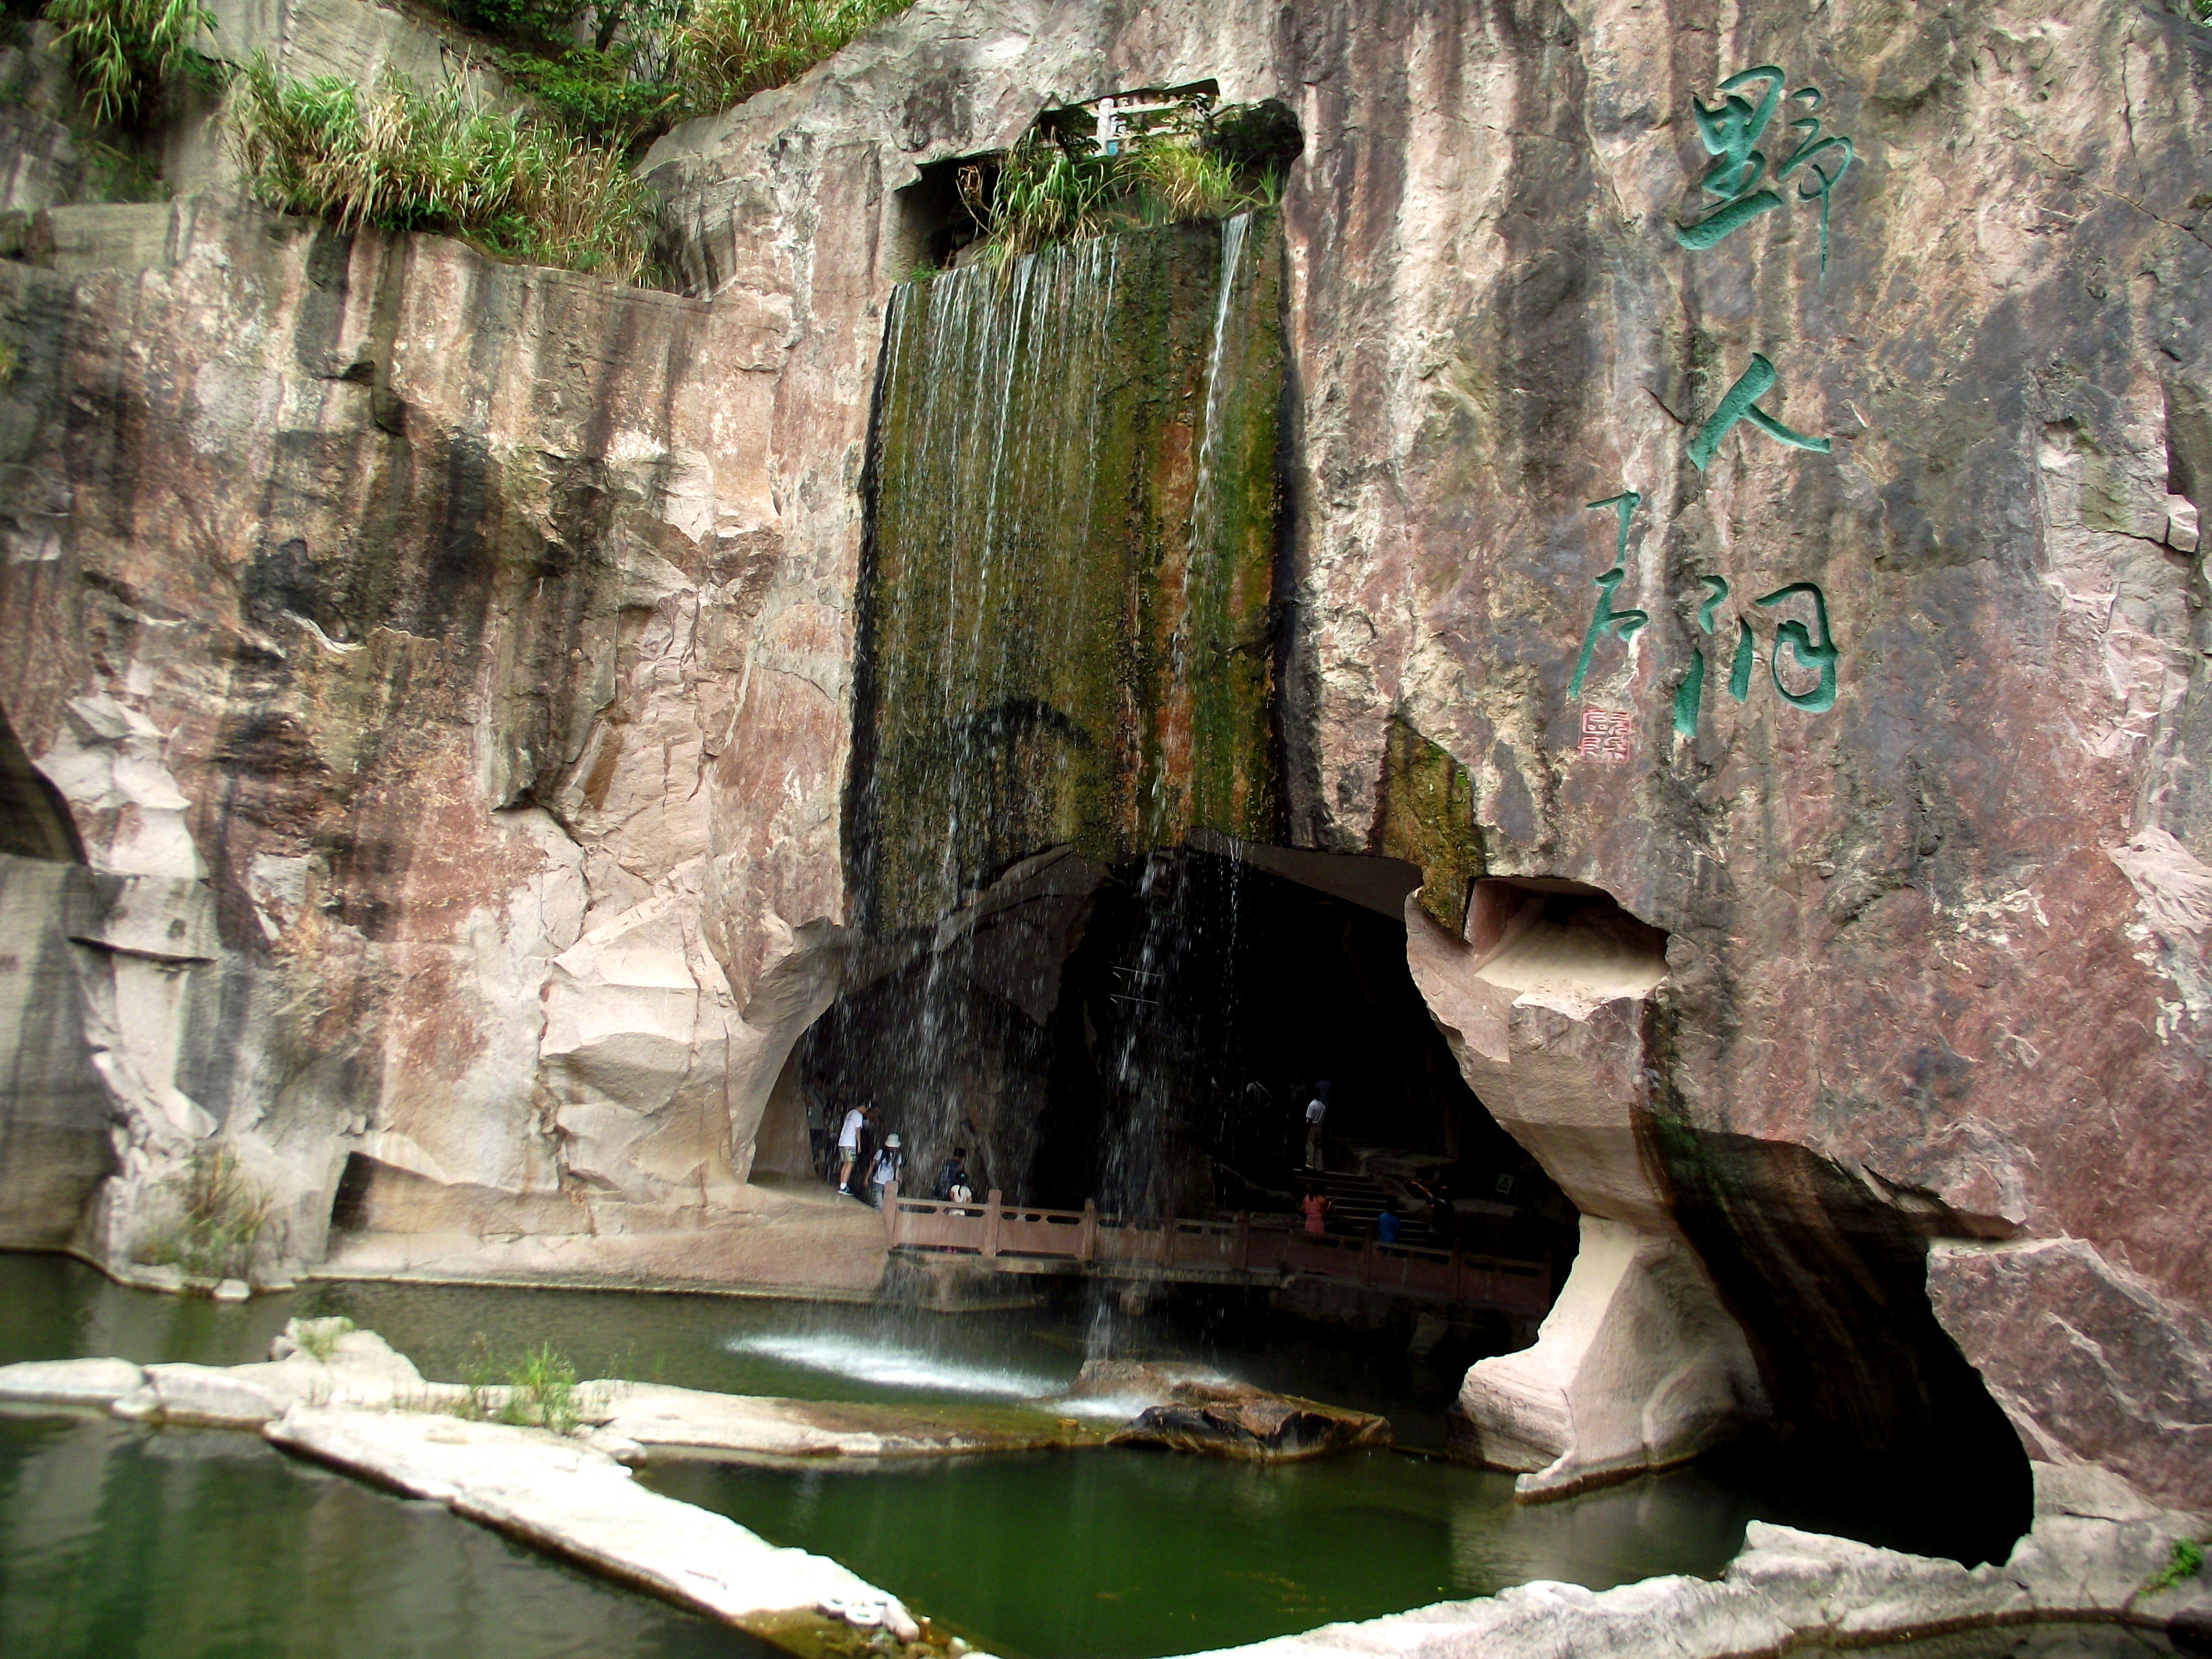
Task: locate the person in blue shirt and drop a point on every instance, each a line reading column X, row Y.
column 1386, row 1228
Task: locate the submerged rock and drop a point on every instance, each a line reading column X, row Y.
column 1186, row 1408
column 1261, row 1428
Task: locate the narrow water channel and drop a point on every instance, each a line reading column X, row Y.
column 110, row 1535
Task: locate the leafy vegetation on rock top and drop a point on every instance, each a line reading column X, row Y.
column 1057, row 185
column 549, row 182
column 518, row 184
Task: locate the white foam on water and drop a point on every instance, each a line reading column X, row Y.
column 1109, row 1407
column 896, row 1367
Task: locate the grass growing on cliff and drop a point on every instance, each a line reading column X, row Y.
column 218, row 1213
column 517, row 184
column 1047, row 191
column 726, row 50
column 123, row 50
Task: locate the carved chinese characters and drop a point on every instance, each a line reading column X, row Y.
column 1754, row 113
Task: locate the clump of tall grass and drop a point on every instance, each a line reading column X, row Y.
column 726, row 50
column 217, row 1216
column 515, row 184
column 1049, row 191
column 123, row 50
column 538, row 1390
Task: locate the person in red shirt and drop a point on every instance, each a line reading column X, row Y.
column 1317, row 1209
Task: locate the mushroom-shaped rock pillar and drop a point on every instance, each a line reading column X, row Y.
column 1640, row 1364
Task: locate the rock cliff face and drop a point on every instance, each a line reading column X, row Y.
column 451, row 666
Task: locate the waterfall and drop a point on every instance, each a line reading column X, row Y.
column 1066, row 635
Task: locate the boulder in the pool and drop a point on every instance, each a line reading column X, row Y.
column 1257, row 1427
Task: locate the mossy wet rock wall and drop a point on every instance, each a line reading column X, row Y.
column 1067, row 590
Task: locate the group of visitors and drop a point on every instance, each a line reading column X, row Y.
column 851, row 1136
column 857, row 1150
column 1316, row 1205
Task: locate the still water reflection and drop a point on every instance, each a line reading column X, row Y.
column 1120, row 1554
column 108, row 1533
column 118, row 1543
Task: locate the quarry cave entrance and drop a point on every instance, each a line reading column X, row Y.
column 1146, row 1037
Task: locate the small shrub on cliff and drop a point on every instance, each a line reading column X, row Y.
column 516, row 185
column 727, row 50
column 123, row 50
column 218, row 1214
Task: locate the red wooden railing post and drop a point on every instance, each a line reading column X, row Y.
column 991, row 1226
column 1243, row 1240
column 890, row 1216
column 1086, row 1241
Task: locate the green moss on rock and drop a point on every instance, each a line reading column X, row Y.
column 1065, row 594
column 1426, row 815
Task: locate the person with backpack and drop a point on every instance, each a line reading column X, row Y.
column 954, row 1174
column 889, row 1165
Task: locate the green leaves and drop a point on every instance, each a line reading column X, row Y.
column 727, row 50
column 123, row 50
column 516, row 184
column 1047, row 191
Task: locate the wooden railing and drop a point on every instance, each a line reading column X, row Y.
column 1019, row 1238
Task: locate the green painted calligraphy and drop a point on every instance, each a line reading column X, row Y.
column 1740, row 404
column 1621, row 625
column 1746, row 657
column 1810, row 146
column 1799, row 639
column 1731, row 130
column 1809, row 652
column 1692, row 691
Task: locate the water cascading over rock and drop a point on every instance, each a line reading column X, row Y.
column 1067, row 632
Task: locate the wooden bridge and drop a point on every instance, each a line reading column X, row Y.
column 1254, row 1250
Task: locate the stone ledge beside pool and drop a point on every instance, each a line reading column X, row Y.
column 2094, row 1548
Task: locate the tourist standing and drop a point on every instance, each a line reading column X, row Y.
column 889, row 1165
column 1317, row 1113
column 849, row 1147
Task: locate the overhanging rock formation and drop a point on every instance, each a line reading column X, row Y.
column 1640, row 1364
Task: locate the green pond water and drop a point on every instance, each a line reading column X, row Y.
column 118, row 1542
column 117, row 1539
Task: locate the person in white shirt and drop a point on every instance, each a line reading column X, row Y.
column 848, row 1146
column 1316, row 1110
